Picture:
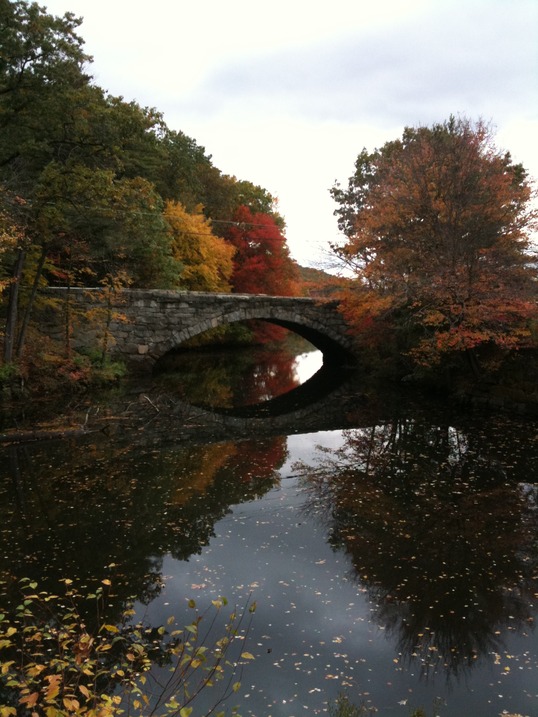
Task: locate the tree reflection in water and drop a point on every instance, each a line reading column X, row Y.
column 441, row 528
column 71, row 510
column 227, row 378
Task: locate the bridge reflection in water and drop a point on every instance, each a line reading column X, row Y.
column 328, row 400
column 414, row 523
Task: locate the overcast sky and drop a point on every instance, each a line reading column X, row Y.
column 286, row 93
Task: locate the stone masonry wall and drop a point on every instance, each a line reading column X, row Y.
column 143, row 325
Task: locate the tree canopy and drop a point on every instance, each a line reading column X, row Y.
column 438, row 235
column 206, row 259
column 262, row 263
column 93, row 187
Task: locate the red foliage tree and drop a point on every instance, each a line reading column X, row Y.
column 262, row 262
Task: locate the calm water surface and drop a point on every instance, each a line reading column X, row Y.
column 392, row 557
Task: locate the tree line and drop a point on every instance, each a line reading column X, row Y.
column 97, row 190
column 438, row 225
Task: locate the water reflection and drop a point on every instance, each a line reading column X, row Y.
column 440, row 525
column 411, row 525
column 73, row 509
column 157, row 480
column 234, row 377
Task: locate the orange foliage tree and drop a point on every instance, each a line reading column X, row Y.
column 438, row 235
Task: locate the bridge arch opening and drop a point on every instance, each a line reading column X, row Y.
column 333, row 349
column 232, row 376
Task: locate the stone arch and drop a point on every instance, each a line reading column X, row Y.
column 148, row 323
column 331, row 343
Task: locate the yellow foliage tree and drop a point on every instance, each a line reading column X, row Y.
column 9, row 238
column 206, row 258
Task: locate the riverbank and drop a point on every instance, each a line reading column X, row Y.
column 66, row 406
column 141, row 410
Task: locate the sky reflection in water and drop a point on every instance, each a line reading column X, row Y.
column 318, row 628
column 396, row 560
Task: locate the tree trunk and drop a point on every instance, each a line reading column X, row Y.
column 67, row 328
column 473, row 363
column 28, row 312
column 12, row 308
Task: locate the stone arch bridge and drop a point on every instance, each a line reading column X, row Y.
column 142, row 325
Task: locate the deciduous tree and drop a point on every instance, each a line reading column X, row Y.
column 206, row 259
column 42, row 60
column 262, row 263
column 438, row 235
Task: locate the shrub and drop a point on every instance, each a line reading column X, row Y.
column 55, row 665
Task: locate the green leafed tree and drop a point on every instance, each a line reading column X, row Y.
column 42, row 61
column 117, row 224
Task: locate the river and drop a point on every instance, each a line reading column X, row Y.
column 390, row 545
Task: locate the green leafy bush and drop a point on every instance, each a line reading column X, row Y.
column 8, row 371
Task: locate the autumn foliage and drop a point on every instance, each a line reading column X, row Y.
column 206, row 259
column 438, row 237
column 262, row 263
column 94, row 188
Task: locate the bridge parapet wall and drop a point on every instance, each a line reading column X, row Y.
column 142, row 325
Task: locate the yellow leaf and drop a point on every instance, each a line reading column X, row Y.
column 35, row 670
column 71, row 704
column 53, row 688
column 85, row 691
column 110, row 628
column 8, row 712
column 247, row 656
column 185, row 711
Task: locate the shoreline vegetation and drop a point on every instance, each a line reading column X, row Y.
column 101, row 410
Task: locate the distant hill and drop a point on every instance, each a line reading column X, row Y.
column 319, row 283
